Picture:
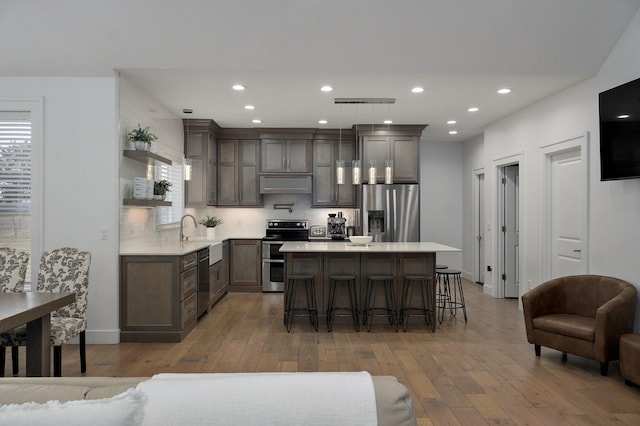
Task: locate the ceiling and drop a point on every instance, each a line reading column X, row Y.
column 188, row 54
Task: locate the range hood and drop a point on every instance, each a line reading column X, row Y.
column 285, row 184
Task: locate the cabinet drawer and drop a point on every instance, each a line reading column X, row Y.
column 188, row 311
column 189, row 261
column 188, row 283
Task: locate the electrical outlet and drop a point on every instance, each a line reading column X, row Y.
column 104, row 233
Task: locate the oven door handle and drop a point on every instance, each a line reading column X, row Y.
column 273, row 260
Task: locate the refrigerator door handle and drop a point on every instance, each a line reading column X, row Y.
column 389, row 220
column 394, row 219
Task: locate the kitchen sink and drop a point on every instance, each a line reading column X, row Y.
column 215, row 252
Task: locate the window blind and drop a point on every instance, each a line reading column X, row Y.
column 172, row 173
column 15, row 182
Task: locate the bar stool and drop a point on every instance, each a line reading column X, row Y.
column 441, row 296
column 348, row 281
column 389, row 310
column 453, row 299
column 309, row 283
column 426, row 309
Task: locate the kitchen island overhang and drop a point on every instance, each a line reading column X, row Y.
column 374, row 247
column 324, row 259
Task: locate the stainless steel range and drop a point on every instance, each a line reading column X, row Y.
column 278, row 231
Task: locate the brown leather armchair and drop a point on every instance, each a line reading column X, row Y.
column 584, row 315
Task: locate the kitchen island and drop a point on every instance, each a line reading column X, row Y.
column 323, row 259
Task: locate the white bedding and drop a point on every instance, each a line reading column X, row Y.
column 260, row 399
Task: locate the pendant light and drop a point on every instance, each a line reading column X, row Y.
column 356, row 166
column 340, row 161
column 188, row 169
column 187, row 165
column 388, row 164
column 372, row 163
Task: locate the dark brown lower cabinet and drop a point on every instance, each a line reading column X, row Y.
column 157, row 297
column 245, row 265
column 217, row 282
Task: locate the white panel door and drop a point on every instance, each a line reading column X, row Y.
column 480, row 227
column 567, row 214
column 511, row 232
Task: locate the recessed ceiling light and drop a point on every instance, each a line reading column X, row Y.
column 256, row 121
column 238, row 87
column 473, row 109
column 326, row 88
column 322, row 121
column 453, row 132
column 451, row 122
column 504, row 91
column 417, row 89
column 249, row 107
column 623, row 116
column 387, row 122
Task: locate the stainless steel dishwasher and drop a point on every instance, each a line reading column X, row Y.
column 203, row 281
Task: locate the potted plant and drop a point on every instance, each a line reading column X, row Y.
column 211, row 222
column 160, row 189
column 141, row 138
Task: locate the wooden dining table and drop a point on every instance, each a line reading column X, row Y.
column 33, row 309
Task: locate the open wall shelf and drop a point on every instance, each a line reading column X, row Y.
column 145, row 203
column 145, row 157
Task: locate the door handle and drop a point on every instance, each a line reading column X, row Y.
column 577, row 251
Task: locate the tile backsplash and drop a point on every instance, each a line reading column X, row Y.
column 137, row 224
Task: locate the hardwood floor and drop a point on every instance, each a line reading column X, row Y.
column 483, row 372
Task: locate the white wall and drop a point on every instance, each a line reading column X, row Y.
column 80, row 182
column 138, row 107
column 441, row 174
column 614, row 207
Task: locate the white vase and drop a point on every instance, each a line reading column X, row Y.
column 211, row 233
column 142, row 145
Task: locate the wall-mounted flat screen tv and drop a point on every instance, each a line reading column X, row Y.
column 620, row 132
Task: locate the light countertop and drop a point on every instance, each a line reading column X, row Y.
column 146, row 248
column 348, row 247
column 168, row 249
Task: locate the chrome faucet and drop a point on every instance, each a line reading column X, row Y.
column 182, row 237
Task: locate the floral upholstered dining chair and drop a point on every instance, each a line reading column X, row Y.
column 13, row 269
column 61, row 270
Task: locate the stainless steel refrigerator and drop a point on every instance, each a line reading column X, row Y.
column 391, row 212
